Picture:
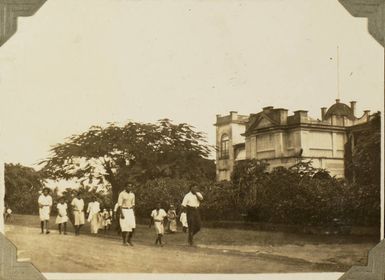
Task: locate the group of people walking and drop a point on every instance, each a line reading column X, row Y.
column 190, row 216
column 124, row 215
column 98, row 219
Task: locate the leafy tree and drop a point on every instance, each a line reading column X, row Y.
column 365, row 159
column 114, row 154
column 219, row 198
column 22, row 186
column 247, row 178
column 301, row 195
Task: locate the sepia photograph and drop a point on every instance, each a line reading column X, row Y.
column 194, row 137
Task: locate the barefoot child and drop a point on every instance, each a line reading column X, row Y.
column 62, row 217
column 45, row 204
column 158, row 216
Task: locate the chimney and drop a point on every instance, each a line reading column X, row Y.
column 267, row 109
column 323, row 112
column 300, row 115
column 233, row 115
column 353, row 107
column 282, row 115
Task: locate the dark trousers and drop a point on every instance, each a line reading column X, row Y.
column 193, row 221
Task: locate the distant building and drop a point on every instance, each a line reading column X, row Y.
column 281, row 140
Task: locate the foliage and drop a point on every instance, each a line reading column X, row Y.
column 363, row 203
column 87, row 193
column 22, row 186
column 303, row 195
column 365, row 160
column 218, row 201
column 165, row 191
column 247, row 178
column 136, row 151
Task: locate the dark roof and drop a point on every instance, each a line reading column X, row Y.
column 341, row 110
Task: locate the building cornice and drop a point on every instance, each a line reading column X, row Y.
column 297, row 126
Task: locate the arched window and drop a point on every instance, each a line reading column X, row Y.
column 225, row 146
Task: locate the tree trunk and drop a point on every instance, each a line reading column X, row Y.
column 115, row 188
column 111, row 178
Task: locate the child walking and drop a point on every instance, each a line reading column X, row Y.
column 45, row 204
column 171, row 217
column 158, row 216
column 62, row 217
column 106, row 220
column 183, row 220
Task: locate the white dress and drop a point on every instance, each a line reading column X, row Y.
column 158, row 216
column 44, row 211
column 127, row 201
column 93, row 216
column 62, row 216
column 78, row 207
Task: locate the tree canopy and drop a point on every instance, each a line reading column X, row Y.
column 22, row 186
column 364, row 161
column 115, row 154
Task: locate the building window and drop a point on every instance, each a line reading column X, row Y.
column 224, row 151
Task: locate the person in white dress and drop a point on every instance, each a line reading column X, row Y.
column 77, row 205
column 45, row 205
column 183, row 220
column 126, row 203
column 93, row 215
column 171, row 217
column 158, row 217
column 105, row 220
column 62, row 217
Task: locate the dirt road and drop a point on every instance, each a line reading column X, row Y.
column 219, row 251
column 54, row 252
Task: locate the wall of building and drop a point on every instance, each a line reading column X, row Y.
column 282, row 148
column 224, row 166
column 234, row 130
column 281, row 139
column 324, row 143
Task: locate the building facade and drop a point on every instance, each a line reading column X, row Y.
column 280, row 139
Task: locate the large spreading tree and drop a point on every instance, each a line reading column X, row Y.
column 22, row 186
column 115, row 154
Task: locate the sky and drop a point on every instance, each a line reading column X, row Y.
column 80, row 63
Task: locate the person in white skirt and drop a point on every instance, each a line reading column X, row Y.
column 93, row 215
column 45, row 205
column 78, row 212
column 62, row 217
column 126, row 203
column 158, row 217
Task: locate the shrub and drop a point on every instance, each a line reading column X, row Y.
column 304, row 195
column 22, row 186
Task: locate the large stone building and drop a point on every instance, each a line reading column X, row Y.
column 281, row 140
